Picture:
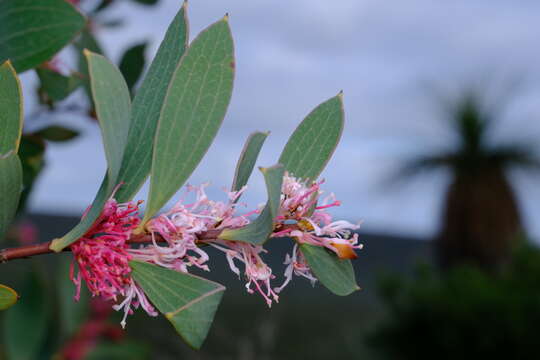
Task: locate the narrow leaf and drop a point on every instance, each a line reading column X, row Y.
column 25, row 323
column 113, row 23
column 11, row 109
column 87, row 220
column 132, row 64
column 104, row 4
column 57, row 133
column 72, row 313
column 10, row 190
column 312, row 144
column 146, row 2
column 57, row 86
column 32, row 31
column 189, row 302
column 137, row 151
column 260, row 229
column 32, row 157
column 89, row 42
column 194, row 108
column 8, row 297
column 336, row 274
column 248, row 158
column 113, row 107
column 147, row 105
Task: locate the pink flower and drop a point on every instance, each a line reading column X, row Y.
column 103, row 253
column 27, row 233
column 102, row 258
column 296, row 264
column 301, row 206
column 256, row 271
column 181, row 226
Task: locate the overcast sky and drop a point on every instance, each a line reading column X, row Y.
column 392, row 59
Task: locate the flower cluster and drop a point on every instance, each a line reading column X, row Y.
column 301, row 205
column 102, row 259
column 181, row 228
column 177, row 238
column 187, row 226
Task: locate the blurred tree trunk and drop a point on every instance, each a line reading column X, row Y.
column 481, row 221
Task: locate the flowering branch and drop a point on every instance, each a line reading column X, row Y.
column 163, row 135
column 103, row 254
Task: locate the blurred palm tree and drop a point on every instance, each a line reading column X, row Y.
column 481, row 220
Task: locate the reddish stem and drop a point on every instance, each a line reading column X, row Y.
column 26, row 251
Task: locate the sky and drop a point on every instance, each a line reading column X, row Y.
column 394, row 61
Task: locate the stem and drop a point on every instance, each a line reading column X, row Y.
column 24, row 251
column 27, row 251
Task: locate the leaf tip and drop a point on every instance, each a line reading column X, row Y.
column 185, row 4
column 13, row 297
column 8, row 64
column 264, row 170
column 86, row 52
column 340, row 94
column 226, row 17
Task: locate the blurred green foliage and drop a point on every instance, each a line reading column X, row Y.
column 463, row 313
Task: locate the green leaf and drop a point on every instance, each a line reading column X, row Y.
column 11, row 109
column 56, row 86
column 132, row 64
column 147, row 106
column 104, row 4
column 8, row 297
column 32, row 31
column 111, row 24
column 87, row 220
column 336, row 274
column 192, row 113
column 32, row 156
column 312, row 144
column 258, row 231
column 72, row 313
column 113, row 107
column 57, row 133
column 86, row 41
column 119, row 126
column 187, row 301
column 248, row 158
column 25, row 323
column 10, row 190
column 146, row 2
